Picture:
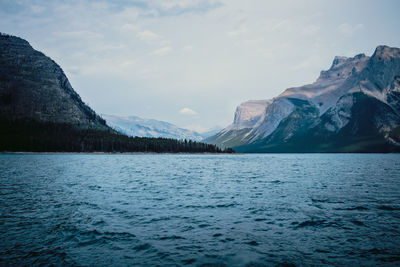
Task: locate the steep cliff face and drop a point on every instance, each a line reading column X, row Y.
column 247, row 116
column 354, row 106
column 33, row 86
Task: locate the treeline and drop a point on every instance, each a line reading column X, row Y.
column 30, row 135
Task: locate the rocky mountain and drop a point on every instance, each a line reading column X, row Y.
column 40, row 111
column 33, row 86
column 136, row 126
column 352, row 107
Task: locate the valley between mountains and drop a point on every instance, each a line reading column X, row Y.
column 354, row 106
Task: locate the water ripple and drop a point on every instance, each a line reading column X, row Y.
column 199, row 210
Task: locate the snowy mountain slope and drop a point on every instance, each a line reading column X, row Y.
column 327, row 106
column 136, row 126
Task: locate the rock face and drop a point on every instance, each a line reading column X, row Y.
column 33, row 86
column 352, row 107
column 247, row 117
column 136, row 126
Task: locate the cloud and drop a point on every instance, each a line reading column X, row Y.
column 239, row 31
column 310, row 30
column 188, row 48
column 81, row 35
column 178, row 7
column 188, row 111
column 129, row 27
column 148, row 36
column 349, row 29
column 162, row 51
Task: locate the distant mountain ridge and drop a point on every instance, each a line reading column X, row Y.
column 352, row 107
column 136, row 126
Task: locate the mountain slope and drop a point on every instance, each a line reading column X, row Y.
column 34, row 86
column 352, row 107
column 40, row 111
column 136, row 126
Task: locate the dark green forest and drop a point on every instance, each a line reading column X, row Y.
column 34, row 136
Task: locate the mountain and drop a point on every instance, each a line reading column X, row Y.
column 34, row 86
column 136, row 126
column 40, row 111
column 209, row 132
column 352, row 107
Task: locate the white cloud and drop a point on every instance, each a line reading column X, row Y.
column 176, row 7
column 129, row 27
column 81, row 35
column 349, row 29
column 37, row 9
column 188, row 48
column 148, row 36
column 239, row 31
column 162, row 51
column 310, row 30
column 188, row 111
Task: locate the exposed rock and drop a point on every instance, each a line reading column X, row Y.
column 354, row 106
column 33, row 86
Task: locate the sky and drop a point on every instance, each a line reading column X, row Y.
column 191, row 62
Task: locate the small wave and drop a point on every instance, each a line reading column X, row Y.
column 326, row 200
column 172, row 237
column 227, row 205
column 189, row 261
column 322, row 251
column 187, row 228
column 252, row 243
column 94, row 187
column 390, row 208
column 92, row 237
column 316, row 223
column 356, row 222
column 357, row 208
column 228, row 239
column 144, row 246
column 119, row 235
column 165, row 218
column 390, row 259
column 99, row 223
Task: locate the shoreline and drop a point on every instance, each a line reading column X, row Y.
column 118, row 153
column 184, row 153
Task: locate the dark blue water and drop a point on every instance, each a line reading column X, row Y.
column 77, row 209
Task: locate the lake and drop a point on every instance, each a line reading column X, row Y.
column 234, row 210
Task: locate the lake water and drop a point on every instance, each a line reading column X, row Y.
column 235, row 210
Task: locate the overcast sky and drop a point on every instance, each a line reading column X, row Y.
column 191, row 62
